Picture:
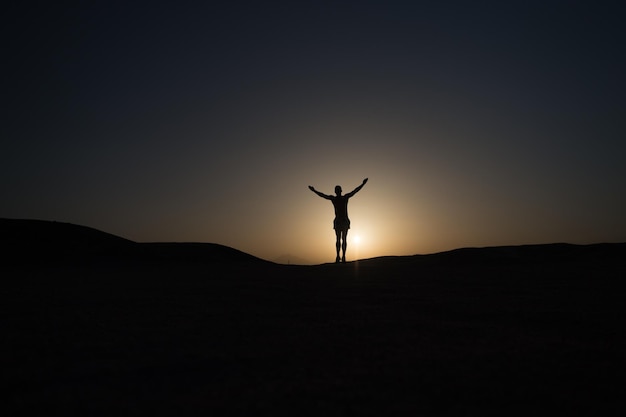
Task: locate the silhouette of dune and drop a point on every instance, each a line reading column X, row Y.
column 40, row 240
column 197, row 252
column 35, row 241
column 203, row 329
column 509, row 255
column 51, row 234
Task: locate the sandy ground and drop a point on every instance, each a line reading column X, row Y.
column 497, row 331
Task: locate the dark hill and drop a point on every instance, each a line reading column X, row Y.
column 508, row 256
column 35, row 241
column 201, row 329
column 197, row 253
column 41, row 233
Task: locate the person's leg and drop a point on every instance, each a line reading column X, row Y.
column 338, row 243
column 344, row 244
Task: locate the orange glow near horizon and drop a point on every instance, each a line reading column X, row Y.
column 394, row 214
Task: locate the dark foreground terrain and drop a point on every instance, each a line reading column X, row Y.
column 96, row 325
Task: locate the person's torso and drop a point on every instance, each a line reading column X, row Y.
column 341, row 206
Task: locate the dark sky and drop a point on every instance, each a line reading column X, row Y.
column 478, row 123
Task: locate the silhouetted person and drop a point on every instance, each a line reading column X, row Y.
column 341, row 224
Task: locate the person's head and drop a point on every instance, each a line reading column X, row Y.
column 338, row 189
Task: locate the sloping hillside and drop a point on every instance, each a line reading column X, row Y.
column 36, row 241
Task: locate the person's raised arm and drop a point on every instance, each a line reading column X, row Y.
column 327, row 197
column 357, row 189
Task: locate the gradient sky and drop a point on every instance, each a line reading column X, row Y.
column 477, row 123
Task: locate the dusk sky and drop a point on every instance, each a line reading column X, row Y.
column 477, row 123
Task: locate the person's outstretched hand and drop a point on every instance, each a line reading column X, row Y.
column 311, row 188
column 365, row 180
